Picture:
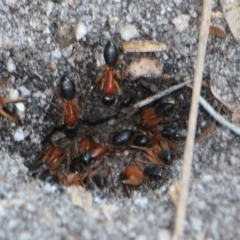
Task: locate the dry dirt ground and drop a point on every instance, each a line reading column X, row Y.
column 40, row 41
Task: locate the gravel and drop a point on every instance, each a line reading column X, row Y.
column 42, row 40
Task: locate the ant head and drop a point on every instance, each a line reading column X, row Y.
column 67, row 88
column 153, row 172
column 100, row 180
column 111, row 54
column 166, row 156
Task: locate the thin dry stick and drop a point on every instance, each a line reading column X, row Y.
column 218, row 117
column 188, row 151
column 160, row 94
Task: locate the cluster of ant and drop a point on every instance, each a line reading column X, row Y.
column 86, row 154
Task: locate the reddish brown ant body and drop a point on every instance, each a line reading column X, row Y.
column 71, row 109
column 72, row 179
column 108, row 82
column 89, row 152
column 135, row 176
column 83, row 146
column 160, row 151
column 54, row 156
column 151, row 117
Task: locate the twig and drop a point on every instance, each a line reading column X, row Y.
column 160, row 94
column 188, row 151
column 218, row 117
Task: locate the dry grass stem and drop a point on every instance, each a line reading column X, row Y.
column 160, row 95
column 218, row 117
column 188, row 151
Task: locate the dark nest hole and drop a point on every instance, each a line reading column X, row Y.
column 100, row 121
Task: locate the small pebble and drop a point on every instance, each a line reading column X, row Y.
column 164, row 234
column 81, row 31
column 57, row 53
column 181, row 22
column 20, row 106
column 24, row 91
column 11, row 67
column 18, row 135
column 53, row 66
column 128, row 32
column 49, row 7
column 14, row 94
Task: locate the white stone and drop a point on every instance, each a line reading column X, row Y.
column 49, row 7
column 128, row 32
column 67, row 51
column 141, row 202
column 20, row 106
column 57, row 53
column 24, row 91
column 164, row 234
column 81, row 30
column 181, row 22
column 14, row 94
column 46, row 30
column 11, row 67
column 112, row 21
column 18, row 135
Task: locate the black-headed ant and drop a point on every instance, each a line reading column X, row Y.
column 160, row 150
column 135, row 176
column 107, row 78
column 71, row 109
column 99, row 179
column 42, row 171
column 151, row 117
column 89, row 151
column 52, row 158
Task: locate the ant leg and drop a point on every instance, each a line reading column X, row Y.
column 119, row 76
column 8, row 116
column 125, row 191
column 44, row 158
column 76, row 107
column 79, row 81
column 117, row 87
column 100, row 77
column 98, row 163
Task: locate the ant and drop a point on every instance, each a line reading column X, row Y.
column 151, row 117
column 99, row 179
column 52, row 158
column 71, row 109
column 84, row 145
column 108, row 82
column 161, row 148
column 89, row 150
column 72, row 179
column 135, row 176
column 41, row 171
